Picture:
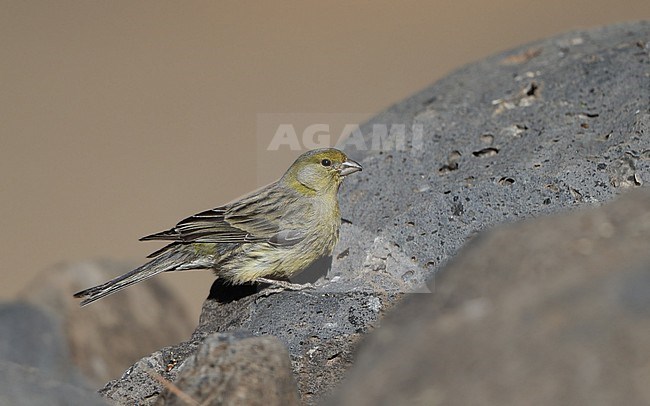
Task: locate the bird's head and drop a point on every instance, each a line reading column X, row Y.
column 319, row 170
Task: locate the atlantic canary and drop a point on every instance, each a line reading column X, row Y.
column 267, row 236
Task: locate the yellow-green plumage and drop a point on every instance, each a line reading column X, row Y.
column 274, row 233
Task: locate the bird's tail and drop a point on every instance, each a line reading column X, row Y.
column 174, row 259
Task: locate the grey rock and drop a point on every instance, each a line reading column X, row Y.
column 29, row 337
column 554, row 125
column 98, row 342
column 28, row 386
column 35, row 365
column 319, row 330
column 251, row 371
column 142, row 383
column 547, row 311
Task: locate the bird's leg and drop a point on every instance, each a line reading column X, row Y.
column 284, row 285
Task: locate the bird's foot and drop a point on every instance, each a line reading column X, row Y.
column 281, row 286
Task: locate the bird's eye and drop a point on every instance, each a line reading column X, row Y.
column 326, row 162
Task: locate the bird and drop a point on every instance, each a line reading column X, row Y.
column 265, row 237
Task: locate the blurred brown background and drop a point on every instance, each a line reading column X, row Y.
column 120, row 118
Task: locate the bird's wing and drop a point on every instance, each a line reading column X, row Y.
column 247, row 221
column 209, row 226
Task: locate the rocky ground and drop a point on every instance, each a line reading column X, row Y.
column 551, row 310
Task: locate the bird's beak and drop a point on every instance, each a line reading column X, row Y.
column 349, row 167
